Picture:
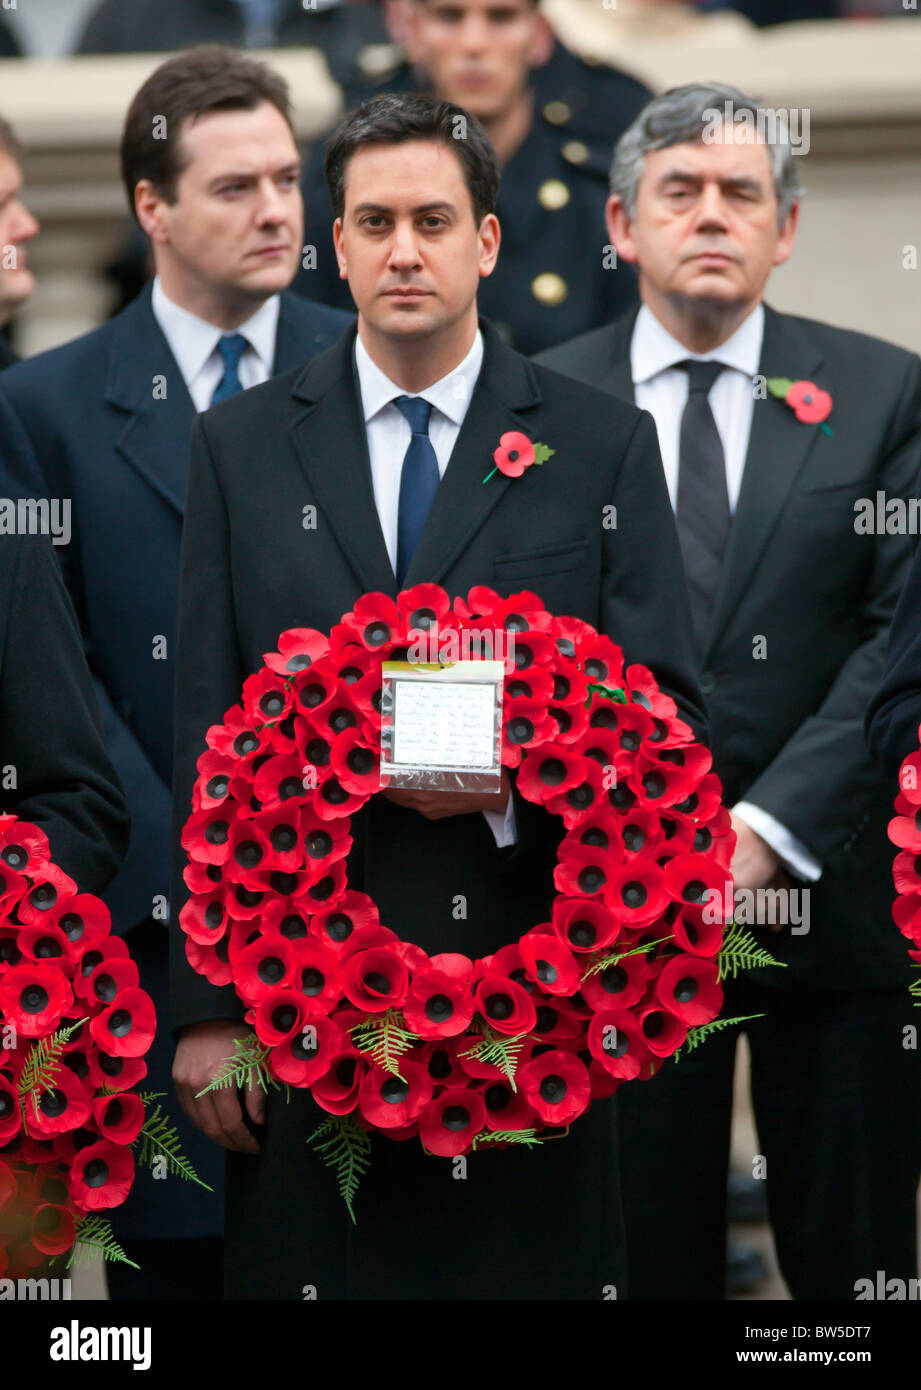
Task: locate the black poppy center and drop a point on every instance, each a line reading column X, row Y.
column 270, row 970
column 686, row 989
column 499, row 1007
column 438, row 1008
column 634, row 894
column 455, row 1117
column 33, row 999
column 96, row 1173
column 552, row 772
column 552, row 1089
column 582, row 934
column 394, row 1090
column 120, row 1023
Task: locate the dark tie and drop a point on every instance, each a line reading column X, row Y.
column 418, row 480
column 702, row 512
column 231, row 346
column 260, row 18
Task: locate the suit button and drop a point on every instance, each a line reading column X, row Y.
column 549, row 288
column 707, row 683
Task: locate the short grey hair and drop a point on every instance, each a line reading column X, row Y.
column 681, row 115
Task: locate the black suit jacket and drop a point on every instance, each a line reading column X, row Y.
column 50, row 730
column 894, row 713
column 788, row 729
column 250, row 570
column 119, row 449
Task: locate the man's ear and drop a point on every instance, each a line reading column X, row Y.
column 620, row 232
column 490, row 235
column 787, row 236
column 542, row 47
column 149, row 206
column 340, row 249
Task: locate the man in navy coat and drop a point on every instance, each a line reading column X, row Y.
column 212, row 174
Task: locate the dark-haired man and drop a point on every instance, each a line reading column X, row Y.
column 17, row 226
column 772, row 427
column 482, row 54
column 211, row 172
column 416, row 235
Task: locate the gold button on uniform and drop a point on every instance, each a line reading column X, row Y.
column 549, row 288
column 575, row 152
column 553, row 194
column 557, row 112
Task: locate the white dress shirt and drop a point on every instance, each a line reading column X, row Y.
column 389, row 434
column 662, row 388
column 193, row 342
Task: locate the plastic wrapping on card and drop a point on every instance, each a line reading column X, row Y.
column 441, row 725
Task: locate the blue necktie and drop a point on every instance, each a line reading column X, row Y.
column 418, row 480
column 231, row 346
column 259, row 20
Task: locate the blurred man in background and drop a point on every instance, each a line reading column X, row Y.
column 482, row 55
column 17, row 226
column 211, row 170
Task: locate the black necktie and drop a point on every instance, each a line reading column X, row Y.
column 702, row 512
column 419, row 479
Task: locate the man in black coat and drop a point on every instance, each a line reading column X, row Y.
column 415, row 234
column 791, row 605
column 56, row 770
column 110, row 416
column 502, row 63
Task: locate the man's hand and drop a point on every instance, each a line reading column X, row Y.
column 754, row 863
column 435, row 805
column 201, row 1050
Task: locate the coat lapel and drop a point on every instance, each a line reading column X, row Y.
column 779, row 445
column 332, row 447
column 299, row 336
column 331, row 444
column 505, row 393
column 616, row 376
column 156, row 432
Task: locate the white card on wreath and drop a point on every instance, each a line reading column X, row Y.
column 441, row 725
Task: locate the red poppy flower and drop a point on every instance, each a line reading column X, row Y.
column 267, row 697
column 248, row 852
column 334, row 799
column 308, row 1054
column 47, row 942
column 126, row 1028
column 262, row 965
column 698, row 936
column 9, row 1117
column 519, row 613
column 584, row 924
column 52, row 1229
column 374, row 623
column 116, row 1073
column 12, row 888
column 317, row 976
column 205, row 836
column 549, row 963
column 505, row 1006
column 101, row 1176
column 601, row 662
column 506, row 1109
column 23, row 846
column 236, row 736
column 298, row 649
column 556, row 1022
column 279, row 1015
column 337, row 1091
column 689, row 987
column 514, row 454
column 694, row 880
column 906, row 871
column 557, row 1085
column 34, row 996
column 84, row 920
column 571, row 722
column 525, row 725
column 437, row 1005
column 636, row 891
column 441, row 1061
column 389, row 1101
column 701, row 804
column 663, row 1031
column 335, row 925
column 584, row 870
column 49, row 886
column 203, row 917
column 375, row 980
column 618, row 986
column 576, row 803
column 356, row 764
column 551, row 772
column 210, row 961
column 617, row 1043
column 809, row 402
column 452, row 1122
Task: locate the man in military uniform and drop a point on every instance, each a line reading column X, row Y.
column 551, row 118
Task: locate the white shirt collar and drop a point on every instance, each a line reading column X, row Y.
column 192, row 340
column 451, row 395
column 654, row 350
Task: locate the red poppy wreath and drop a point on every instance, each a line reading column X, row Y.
column 461, row 1053
column 74, row 1028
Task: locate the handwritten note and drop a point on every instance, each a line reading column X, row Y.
column 444, row 724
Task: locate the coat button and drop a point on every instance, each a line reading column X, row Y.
column 557, row 112
column 575, row 151
column 553, row 194
column 549, row 288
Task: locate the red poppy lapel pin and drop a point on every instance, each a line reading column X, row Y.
column 515, row 453
column 808, row 402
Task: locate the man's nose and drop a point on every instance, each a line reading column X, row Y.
column 711, row 209
column 273, row 207
column 404, row 245
column 24, row 225
column 474, row 34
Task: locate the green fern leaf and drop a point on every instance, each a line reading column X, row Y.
column 94, row 1241
column 159, row 1139
column 612, row 958
column 696, row 1036
column 386, row 1039
column 245, row 1069
column 346, row 1148
column 499, row 1050
column 42, row 1064
column 527, row 1137
column 740, row 951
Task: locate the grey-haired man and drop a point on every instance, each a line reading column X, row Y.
column 771, row 427
column 17, row 226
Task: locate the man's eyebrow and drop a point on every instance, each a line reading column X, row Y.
column 421, row 208
column 690, row 176
column 242, row 175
